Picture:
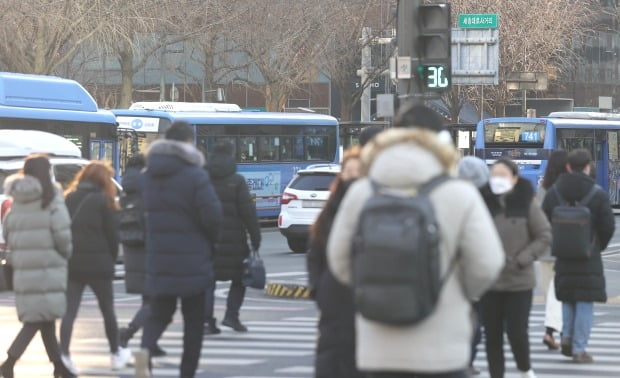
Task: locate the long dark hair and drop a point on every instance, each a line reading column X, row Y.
column 555, row 167
column 38, row 166
column 321, row 227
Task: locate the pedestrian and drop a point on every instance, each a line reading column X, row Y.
column 38, row 232
column 239, row 219
column 368, row 133
column 476, row 171
column 403, row 160
column 335, row 350
column 556, row 165
column 525, row 234
column 134, row 256
column 182, row 223
column 580, row 282
column 91, row 200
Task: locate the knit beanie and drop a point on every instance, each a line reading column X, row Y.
column 473, row 169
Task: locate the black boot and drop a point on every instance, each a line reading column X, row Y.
column 235, row 324
column 125, row 334
column 61, row 371
column 211, row 327
column 6, row 370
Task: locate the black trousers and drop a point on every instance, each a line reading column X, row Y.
column 236, row 294
column 452, row 374
column 105, row 298
column 509, row 309
column 26, row 334
column 140, row 317
column 162, row 311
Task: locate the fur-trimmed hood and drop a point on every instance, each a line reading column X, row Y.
column 404, row 157
column 516, row 203
column 166, row 157
column 23, row 188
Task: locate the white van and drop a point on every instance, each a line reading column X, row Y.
column 16, row 145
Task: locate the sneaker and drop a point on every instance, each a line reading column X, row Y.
column 120, row 359
column 566, row 347
column 158, row 352
column 528, row 374
column 142, row 364
column 234, row 324
column 66, row 360
column 124, row 335
column 583, row 358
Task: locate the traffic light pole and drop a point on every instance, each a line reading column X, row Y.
column 407, row 35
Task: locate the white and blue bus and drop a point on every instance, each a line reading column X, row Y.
column 529, row 141
column 58, row 106
column 269, row 147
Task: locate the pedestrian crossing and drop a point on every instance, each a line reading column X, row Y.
column 603, row 345
column 285, row 349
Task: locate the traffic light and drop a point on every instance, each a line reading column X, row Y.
column 433, row 47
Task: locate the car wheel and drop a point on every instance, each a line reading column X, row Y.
column 297, row 245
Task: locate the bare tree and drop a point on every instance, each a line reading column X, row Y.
column 341, row 56
column 282, row 40
column 38, row 36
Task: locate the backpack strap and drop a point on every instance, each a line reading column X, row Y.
column 433, row 183
column 585, row 200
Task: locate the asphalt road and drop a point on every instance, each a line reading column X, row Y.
column 282, row 332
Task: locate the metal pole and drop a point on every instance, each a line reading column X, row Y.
column 481, row 102
column 524, row 106
column 366, row 66
column 162, row 70
column 407, row 37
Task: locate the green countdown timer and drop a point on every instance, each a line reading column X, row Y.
column 435, row 76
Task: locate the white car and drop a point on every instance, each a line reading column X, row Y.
column 302, row 201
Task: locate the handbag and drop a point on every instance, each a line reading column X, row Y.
column 6, row 272
column 131, row 226
column 254, row 274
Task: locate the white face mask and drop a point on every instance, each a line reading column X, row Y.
column 500, row 185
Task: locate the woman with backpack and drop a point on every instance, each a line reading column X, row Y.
column 553, row 308
column 38, row 232
column 335, row 354
column 134, row 254
column 239, row 219
column 526, row 235
column 91, row 199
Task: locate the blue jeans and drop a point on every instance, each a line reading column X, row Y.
column 577, row 323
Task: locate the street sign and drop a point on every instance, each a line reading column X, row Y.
column 475, row 56
column 526, row 81
column 478, row 21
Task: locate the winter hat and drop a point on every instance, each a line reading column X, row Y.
column 368, row 133
column 473, row 169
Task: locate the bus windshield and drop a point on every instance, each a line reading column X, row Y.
column 504, row 133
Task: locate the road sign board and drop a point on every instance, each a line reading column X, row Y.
column 478, row 21
column 475, row 57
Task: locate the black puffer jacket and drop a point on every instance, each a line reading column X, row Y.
column 133, row 256
column 95, row 235
column 582, row 280
column 239, row 217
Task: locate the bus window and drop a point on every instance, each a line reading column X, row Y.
column 269, row 148
column 317, row 148
column 247, row 149
column 514, row 133
column 292, row 148
column 573, row 139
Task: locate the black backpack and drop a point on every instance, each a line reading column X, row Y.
column 572, row 227
column 396, row 261
column 131, row 225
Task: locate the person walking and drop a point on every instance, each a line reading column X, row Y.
column 134, row 256
column 335, row 350
column 580, row 282
column 526, row 235
column 476, row 171
column 38, row 232
column 183, row 216
column 556, row 165
column 239, row 219
column 439, row 345
column 91, row 200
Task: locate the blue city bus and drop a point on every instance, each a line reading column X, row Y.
column 58, row 106
column 529, row 141
column 269, row 147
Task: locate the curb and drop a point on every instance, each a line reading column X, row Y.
column 287, row 290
